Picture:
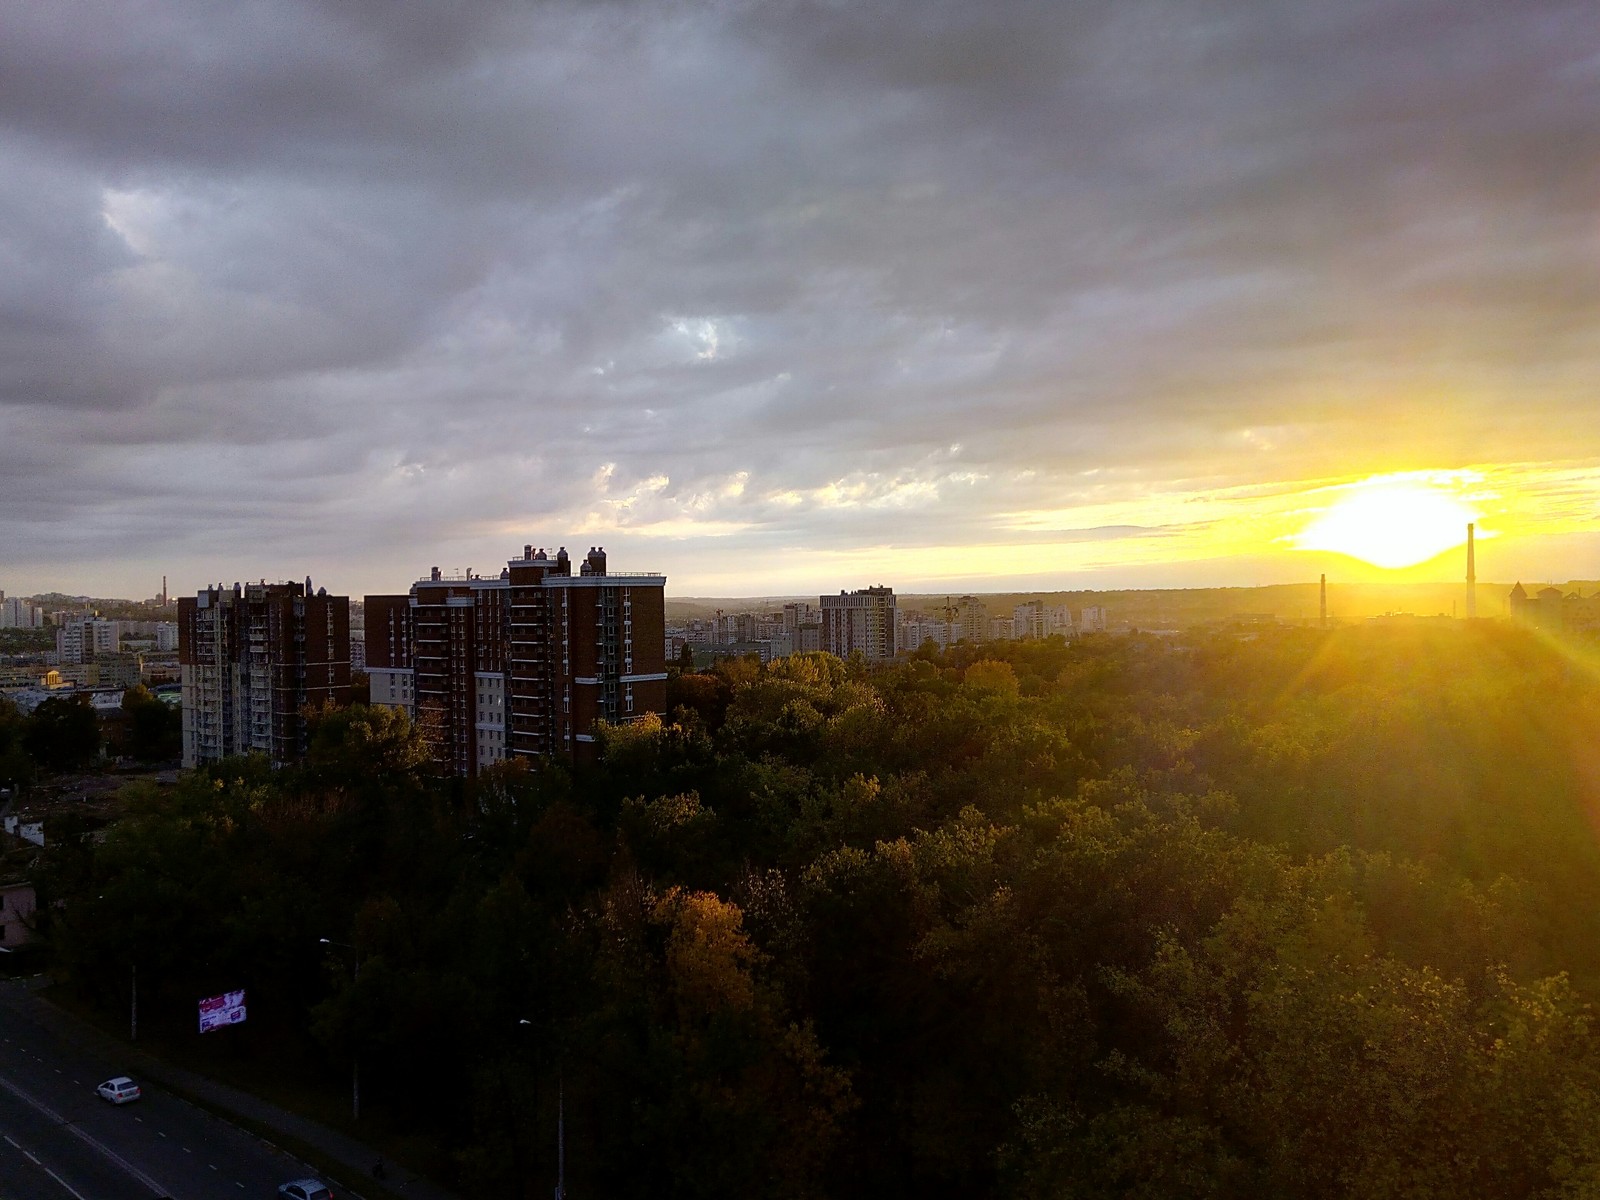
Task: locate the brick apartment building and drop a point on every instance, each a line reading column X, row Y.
column 253, row 658
column 525, row 664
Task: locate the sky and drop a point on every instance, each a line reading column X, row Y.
column 792, row 296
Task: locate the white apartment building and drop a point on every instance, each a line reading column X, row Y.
column 392, row 688
column 795, row 615
column 1029, row 622
column 17, row 613
column 915, row 630
column 1033, row 619
column 490, row 717
column 79, row 641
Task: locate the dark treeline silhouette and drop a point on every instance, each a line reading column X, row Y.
column 64, row 733
column 1285, row 913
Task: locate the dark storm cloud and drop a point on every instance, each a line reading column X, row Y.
column 369, row 280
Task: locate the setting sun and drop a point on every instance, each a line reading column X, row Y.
column 1390, row 524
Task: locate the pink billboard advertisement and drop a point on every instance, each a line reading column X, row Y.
column 217, row 1011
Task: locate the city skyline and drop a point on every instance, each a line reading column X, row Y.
column 786, row 299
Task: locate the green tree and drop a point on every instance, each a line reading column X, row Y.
column 155, row 729
column 64, row 734
column 16, row 765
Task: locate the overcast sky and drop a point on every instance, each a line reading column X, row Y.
column 790, row 296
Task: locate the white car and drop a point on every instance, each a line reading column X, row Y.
column 120, row 1090
column 305, row 1189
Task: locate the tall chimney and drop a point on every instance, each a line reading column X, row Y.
column 1324, row 601
column 1472, row 577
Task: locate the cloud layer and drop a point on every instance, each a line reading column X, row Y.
column 755, row 293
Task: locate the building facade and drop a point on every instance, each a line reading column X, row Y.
column 81, row 641
column 1551, row 608
column 17, row 907
column 527, row 664
column 17, row 613
column 863, row 620
column 254, row 659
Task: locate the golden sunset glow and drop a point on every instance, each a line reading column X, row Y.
column 1391, row 524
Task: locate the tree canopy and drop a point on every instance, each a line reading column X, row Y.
column 1287, row 913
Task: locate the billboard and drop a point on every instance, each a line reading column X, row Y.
column 217, row 1011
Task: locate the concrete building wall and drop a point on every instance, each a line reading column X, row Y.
column 863, row 620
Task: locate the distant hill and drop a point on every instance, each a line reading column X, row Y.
column 1178, row 608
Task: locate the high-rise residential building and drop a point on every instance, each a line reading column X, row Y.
column 17, row 613
column 863, row 620
column 1034, row 619
column 79, row 641
column 795, row 615
column 526, row 664
column 254, row 659
column 970, row 621
column 918, row 629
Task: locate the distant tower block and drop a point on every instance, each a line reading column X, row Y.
column 1472, row 577
column 1324, row 605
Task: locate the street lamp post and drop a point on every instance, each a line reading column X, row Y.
column 561, row 1138
column 133, row 996
column 355, row 1059
column 561, row 1131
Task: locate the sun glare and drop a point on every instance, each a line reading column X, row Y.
column 1390, row 524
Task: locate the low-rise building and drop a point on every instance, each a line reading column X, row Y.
column 1551, row 608
column 17, row 907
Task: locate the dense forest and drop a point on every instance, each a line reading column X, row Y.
column 1289, row 912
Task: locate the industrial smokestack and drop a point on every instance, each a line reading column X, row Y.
column 1324, row 616
column 1472, row 576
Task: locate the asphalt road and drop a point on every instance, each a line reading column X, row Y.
column 59, row 1141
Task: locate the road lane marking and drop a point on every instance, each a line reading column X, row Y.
column 64, row 1184
column 28, row 1154
column 8, row 1138
column 105, row 1151
column 162, row 1134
